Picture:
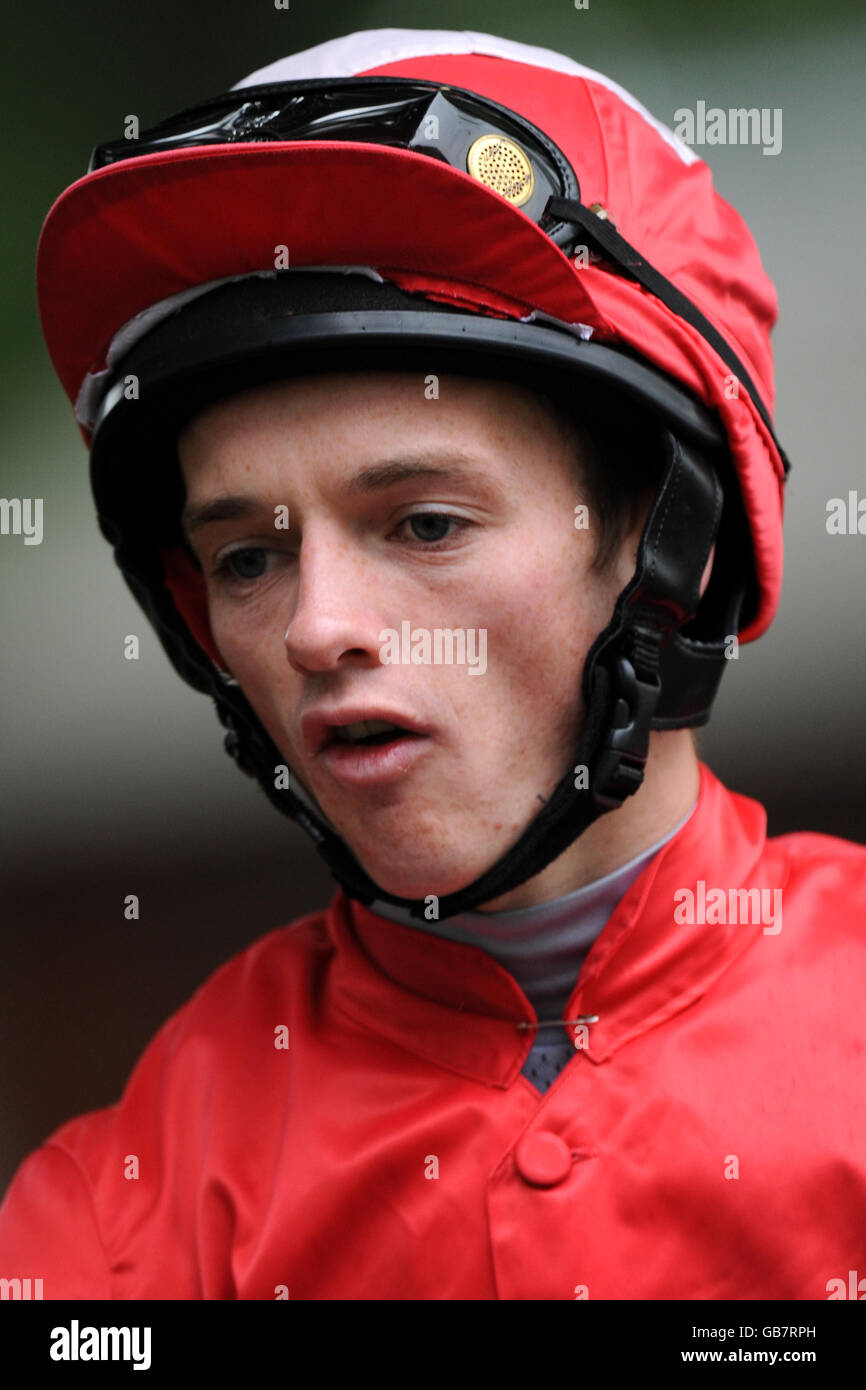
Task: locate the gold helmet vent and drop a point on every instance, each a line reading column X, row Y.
column 502, row 165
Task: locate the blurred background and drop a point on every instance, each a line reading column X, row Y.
column 114, row 778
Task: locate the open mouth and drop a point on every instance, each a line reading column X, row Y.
column 370, row 733
column 373, row 752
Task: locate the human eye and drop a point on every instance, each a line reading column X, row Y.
column 435, row 520
column 243, row 565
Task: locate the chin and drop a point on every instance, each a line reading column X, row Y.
column 421, row 880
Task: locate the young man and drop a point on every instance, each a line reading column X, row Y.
column 427, row 384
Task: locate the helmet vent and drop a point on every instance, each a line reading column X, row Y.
column 503, row 166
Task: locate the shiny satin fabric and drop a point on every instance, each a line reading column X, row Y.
column 339, row 1112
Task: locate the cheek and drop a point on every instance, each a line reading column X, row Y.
column 554, row 598
column 542, row 616
column 252, row 647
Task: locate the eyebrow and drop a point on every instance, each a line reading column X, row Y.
column 454, row 467
column 193, row 518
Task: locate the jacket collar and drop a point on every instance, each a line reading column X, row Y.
column 457, row 1007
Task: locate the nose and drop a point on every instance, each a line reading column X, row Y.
column 336, row 619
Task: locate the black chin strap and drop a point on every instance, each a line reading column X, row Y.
column 602, row 236
column 622, row 684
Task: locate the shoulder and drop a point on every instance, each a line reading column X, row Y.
column 214, row 1047
column 824, row 861
column 821, row 885
column 85, row 1205
column 273, row 969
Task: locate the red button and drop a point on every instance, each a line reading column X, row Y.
column 543, row 1159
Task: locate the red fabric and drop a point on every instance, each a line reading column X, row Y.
column 329, row 202
column 394, row 1150
column 126, row 236
column 186, row 584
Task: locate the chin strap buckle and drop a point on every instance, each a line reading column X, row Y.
column 619, row 767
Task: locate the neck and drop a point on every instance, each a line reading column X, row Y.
column 667, row 793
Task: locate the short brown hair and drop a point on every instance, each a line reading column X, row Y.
column 616, row 456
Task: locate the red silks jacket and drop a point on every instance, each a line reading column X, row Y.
column 339, row 1111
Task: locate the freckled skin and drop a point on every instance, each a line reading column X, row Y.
column 308, row 631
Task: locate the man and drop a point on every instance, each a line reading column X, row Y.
column 433, row 391
column 360, row 461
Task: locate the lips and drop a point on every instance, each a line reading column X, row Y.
column 318, row 727
column 372, row 766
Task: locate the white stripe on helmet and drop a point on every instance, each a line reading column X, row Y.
column 373, row 48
